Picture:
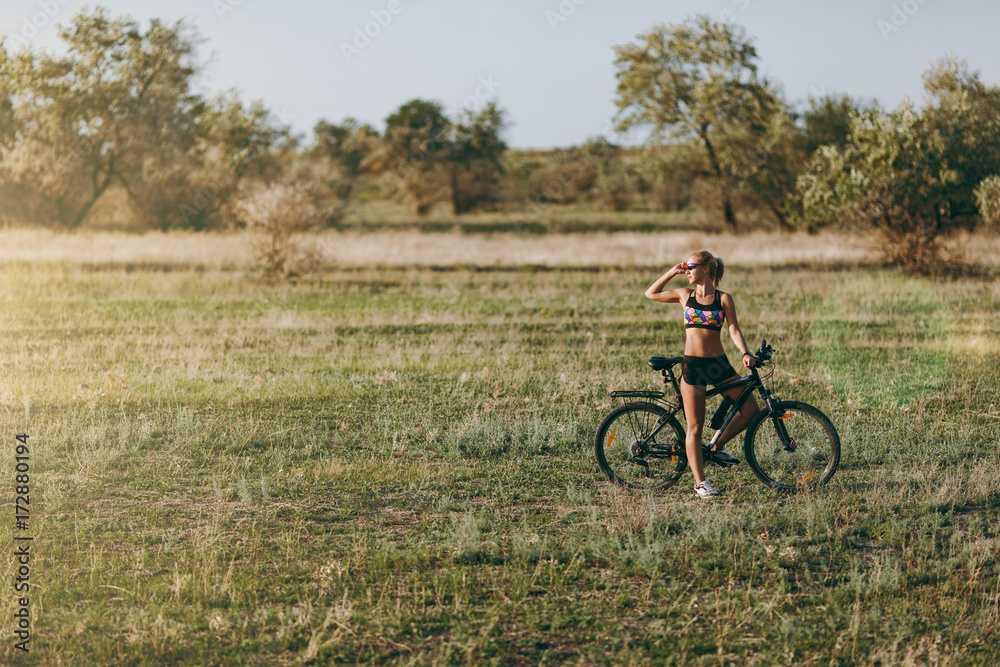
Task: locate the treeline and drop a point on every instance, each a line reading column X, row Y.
column 116, row 115
column 912, row 176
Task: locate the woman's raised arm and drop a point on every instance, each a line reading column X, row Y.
column 656, row 291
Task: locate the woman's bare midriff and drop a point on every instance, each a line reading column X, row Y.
column 703, row 343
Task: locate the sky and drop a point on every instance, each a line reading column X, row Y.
column 549, row 63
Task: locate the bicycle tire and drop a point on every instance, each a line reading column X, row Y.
column 809, row 456
column 618, row 441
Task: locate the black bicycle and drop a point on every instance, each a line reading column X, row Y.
column 789, row 445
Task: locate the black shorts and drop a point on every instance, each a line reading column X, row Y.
column 702, row 371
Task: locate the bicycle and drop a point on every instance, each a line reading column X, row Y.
column 789, row 445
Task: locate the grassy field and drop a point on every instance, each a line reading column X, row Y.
column 528, row 217
column 394, row 465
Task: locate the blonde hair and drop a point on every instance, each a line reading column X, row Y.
column 716, row 267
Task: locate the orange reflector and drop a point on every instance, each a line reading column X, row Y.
column 807, row 478
column 786, row 415
column 611, row 438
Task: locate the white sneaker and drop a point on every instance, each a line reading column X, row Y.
column 705, row 490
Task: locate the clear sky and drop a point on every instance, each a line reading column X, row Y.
column 548, row 62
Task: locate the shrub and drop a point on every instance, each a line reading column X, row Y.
column 273, row 216
column 988, row 199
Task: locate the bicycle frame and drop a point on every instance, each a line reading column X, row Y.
column 750, row 383
column 646, row 461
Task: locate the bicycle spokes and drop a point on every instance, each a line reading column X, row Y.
column 646, row 472
column 637, row 446
column 794, row 448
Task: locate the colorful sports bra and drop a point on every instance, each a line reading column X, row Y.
column 697, row 316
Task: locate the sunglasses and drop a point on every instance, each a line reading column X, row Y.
column 690, row 266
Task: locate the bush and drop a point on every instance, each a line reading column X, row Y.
column 988, row 199
column 273, row 216
column 914, row 176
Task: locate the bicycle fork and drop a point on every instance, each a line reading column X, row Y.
column 787, row 443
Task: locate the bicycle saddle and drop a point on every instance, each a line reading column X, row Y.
column 661, row 363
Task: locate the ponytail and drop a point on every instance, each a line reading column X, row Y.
column 716, row 267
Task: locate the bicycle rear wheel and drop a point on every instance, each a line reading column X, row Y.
column 793, row 448
column 630, row 457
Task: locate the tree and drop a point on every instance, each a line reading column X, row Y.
column 764, row 162
column 346, row 147
column 890, row 177
column 608, row 178
column 117, row 110
column 416, row 149
column 827, row 121
column 965, row 113
column 914, row 178
column 236, row 146
column 697, row 81
column 568, row 176
column 988, row 199
column 87, row 119
column 430, row 155
column 476, row 154
column 671, row 171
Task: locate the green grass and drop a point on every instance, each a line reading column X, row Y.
column 533, row 218
column 395, row 467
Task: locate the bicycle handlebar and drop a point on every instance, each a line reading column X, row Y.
column 765, row 352
column 662, row 364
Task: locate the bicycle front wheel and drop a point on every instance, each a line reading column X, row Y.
column 641, row 446
column 795, row 447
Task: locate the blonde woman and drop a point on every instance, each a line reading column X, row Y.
column 706, row 311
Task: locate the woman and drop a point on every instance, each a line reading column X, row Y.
column 706, row 309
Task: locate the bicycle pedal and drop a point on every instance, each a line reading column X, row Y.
column 707, row 455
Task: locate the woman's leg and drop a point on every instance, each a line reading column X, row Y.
column 740, row 421
column 694, row 413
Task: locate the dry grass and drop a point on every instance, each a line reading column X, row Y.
column 598, row 249
column 232, row 251
column 182, row 249
column 395, row 248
